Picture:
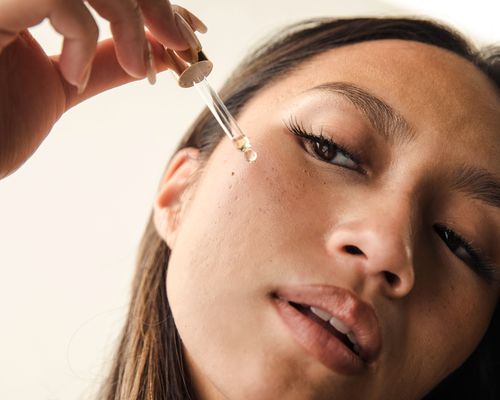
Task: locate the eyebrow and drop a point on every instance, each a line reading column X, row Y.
column 478, row 183
column 387, row 122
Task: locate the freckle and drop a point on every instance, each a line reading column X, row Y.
column 232, row 173
column 230, row 186
column 324, row 183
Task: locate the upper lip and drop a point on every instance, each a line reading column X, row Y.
column 357, row 315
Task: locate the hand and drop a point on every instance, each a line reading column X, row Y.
column 35, row 90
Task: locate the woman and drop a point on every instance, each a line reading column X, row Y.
column 373, row 230
column 373, row 205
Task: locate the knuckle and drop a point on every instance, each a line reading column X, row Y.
column 134, row 8
column 134, row 13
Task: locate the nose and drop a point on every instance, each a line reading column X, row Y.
column 379, row 248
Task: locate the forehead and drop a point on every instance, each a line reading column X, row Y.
column 443, row 96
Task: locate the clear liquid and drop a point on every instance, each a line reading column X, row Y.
column 242, row 143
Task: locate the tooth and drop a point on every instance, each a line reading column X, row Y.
column 338, row 325
column 352, row 338
column 320, row 313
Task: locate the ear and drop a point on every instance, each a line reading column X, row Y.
column 169, row 201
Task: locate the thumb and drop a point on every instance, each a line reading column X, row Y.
column 107, row 72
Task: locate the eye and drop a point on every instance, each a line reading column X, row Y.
column 323, row 148
column 466, row 252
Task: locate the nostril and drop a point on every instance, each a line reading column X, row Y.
column 353, row 250
column 391, row 278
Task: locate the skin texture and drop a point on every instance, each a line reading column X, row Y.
column 242, row 230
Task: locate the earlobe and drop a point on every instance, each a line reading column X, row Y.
column 169, row 200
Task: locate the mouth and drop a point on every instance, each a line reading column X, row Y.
column 332, row 325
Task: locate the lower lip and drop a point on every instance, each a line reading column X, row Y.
column 317, row 341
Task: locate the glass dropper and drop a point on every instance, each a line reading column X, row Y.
column 195, row 74
column 225, row 119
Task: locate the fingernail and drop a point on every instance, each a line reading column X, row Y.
column 187, row 33
column 85, row 79
column 150, row 69
column 192, row 19
column 198, row 23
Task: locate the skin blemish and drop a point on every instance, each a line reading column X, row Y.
column 307, row 172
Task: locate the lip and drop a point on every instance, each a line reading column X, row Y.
column 358, row 316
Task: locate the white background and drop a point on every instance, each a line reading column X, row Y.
column 72, row 216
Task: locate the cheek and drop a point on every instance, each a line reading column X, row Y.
column 229, row 233
column 445, row 327
column 246, row 217
column 470, row 310
column 241, row 211
column 235, row 242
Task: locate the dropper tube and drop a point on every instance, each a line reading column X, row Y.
column 225, row 119
column 194, row 74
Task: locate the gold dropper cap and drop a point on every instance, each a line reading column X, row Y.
column 188, row 73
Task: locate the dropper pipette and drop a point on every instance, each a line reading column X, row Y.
column 225, row 119
column 195, row 74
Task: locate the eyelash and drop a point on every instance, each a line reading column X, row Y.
column 478, row 261
column 296, row 128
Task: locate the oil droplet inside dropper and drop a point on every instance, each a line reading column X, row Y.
column 242, row 143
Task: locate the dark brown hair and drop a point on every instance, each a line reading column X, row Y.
column 149, row 363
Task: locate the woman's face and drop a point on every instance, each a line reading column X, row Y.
column 362, row 236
